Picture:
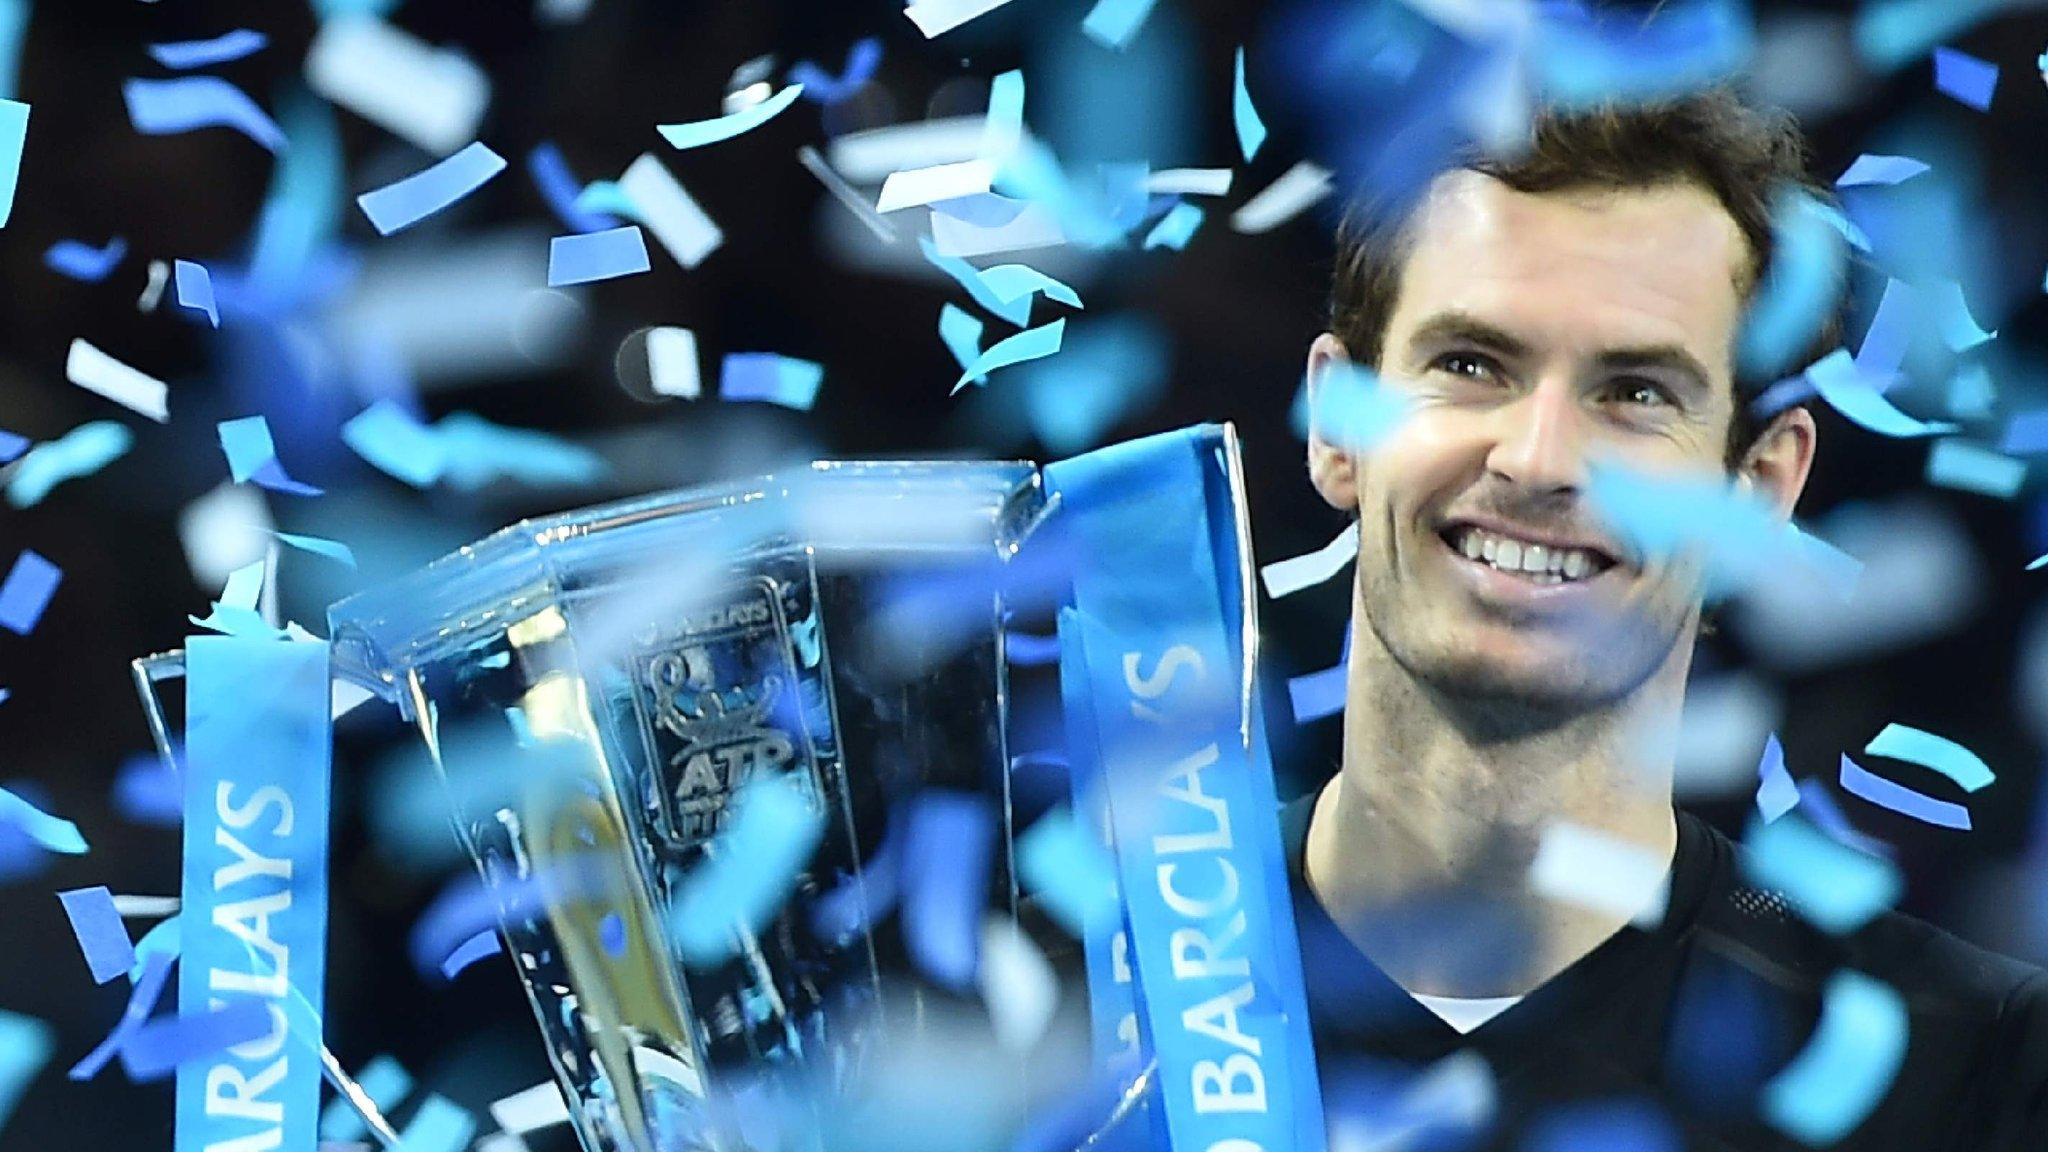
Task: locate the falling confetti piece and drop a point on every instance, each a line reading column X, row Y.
column 1775, row 792
column 1251, row 131
column 1872, row 169
column 80, row 452
column 47, row 830
column 1176, row 228
column 1848, row 1064
column 102, row 937
column 402, row 204
column 1860, row 781
column 95, row 371
column 937, row 17
column 590, row 256
column 1899, row 742
column 189, row 103
column 701, row 132
column 821, row 87
column 13, row 135
column 188, row 54
column 1286, row 577
column 195, row 289
column 1112, row 23
column 84, row 262
column 749, row 872
column 1284, row 199
column 771, row 378
column 30, row 584
column 1963, row 76
column 433, row 97
column 1030, row 344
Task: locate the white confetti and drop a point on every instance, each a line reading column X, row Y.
column 95, row 371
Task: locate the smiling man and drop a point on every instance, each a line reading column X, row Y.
column 1515, row 670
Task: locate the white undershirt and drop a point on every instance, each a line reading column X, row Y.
column 1466, row 1014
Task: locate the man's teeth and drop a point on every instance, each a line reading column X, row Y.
column 1544, row 564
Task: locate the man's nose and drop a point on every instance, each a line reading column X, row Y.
column 1539, row 440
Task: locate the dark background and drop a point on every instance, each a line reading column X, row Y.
column 1236, row 313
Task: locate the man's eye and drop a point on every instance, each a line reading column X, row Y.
column 1463, row 364
column 1643, row 393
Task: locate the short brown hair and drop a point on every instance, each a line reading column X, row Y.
column 1743, row 155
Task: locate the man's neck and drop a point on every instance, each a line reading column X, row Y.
column 1421, row 848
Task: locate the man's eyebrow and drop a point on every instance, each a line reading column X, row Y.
column 1670, row 357
column 1463, row 327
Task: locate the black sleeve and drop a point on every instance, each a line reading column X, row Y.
column 2016, row 1066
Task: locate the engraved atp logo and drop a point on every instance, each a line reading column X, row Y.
column 712, row 742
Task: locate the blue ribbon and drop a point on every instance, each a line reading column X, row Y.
column 1157, row 637
column 254, row 895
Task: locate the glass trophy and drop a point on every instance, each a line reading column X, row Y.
column 602, row 689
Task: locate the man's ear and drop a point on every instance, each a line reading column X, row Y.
column 1776, row 466
column 1331, row 469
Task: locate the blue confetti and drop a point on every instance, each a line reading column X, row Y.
column 2026, row 434
column 1012, row 282
column 439, row 1126
column 1111, row 367
column 1807, row 270
column 1965, row 77
column 27, row 591
column 1890, row 334
column 1851, row 393
column 1952, row 317
column 1775, row 792
column 13, row 135
column 1819, row 805
column 587, row 256
column 1848, row 1064
column 162, row 107
column 1112, row 23
column 332, row 549
column 1315, row 695
column 156, row 1049
column 400, row 205
column 1028, row 651
column 1017, row 312
column 1889, row 33
column 396, row 444
column 1071, row 872
column 478, row 452
column 84, row 262
column 701, row 132
column 195, row 289
column 823, row 88
column 946, row 861
column 109, row 953
column 12, row 445
column 768, row 377
column 560, row 188
column 1859, row 781
column 13, row 30
column 477, row 947
column 1899, row 742
column 149, row 987
column 1251, row 131
column 1583, row 59
column 80, row 452
column 1176, row 228
column 751, row 869
column 384, row 1080
column 960, row 332
column 1885, row 170
column 253, row 456
column 50, row 832
column 1969, row 468
column 1353, row 409
column 1832, row 884
column 25, row 1046
column 611, row 932
column 185, row 54
column 1030, row 344
column 147, row 791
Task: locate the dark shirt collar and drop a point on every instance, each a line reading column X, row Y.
column 1357, row 1006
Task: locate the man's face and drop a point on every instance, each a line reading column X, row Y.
column 1535, row 335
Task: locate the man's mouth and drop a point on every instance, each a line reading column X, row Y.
column 1537, row 562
